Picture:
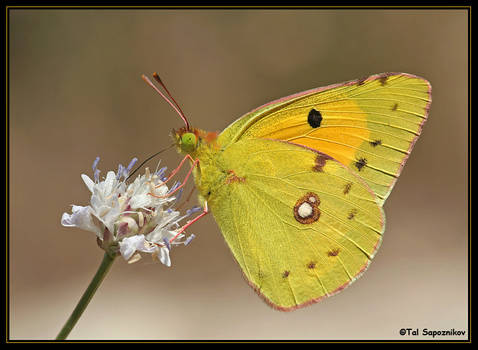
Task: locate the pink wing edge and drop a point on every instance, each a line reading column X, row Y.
column 354, row 278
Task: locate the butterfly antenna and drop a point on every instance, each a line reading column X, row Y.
column 175, row 107
column 160, row 82
column 148, row 159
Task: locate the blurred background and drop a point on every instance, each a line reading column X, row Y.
column 76, row 93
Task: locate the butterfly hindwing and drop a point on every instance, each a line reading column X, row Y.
column 300, row 224
column 370, row 125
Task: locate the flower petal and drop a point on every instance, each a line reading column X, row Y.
column 88, row 182
column 140, row 201
column 129, row 245
column 109, row 183
column 81, row 218
column 164, row 256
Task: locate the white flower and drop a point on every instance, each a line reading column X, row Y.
column 126, row 218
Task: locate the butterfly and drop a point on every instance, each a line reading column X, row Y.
column 297, row 186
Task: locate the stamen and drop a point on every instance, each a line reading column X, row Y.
column 161, row 172
column 97, row 175
column 121, row 201
column 175, row 186
column 179, row 194
column 129, row 212
column 120, row 171
column 168, row 245
column 140, row 219
column 157, row 166
column 151, row 211
column 95, row 163
column 189, row 239
column 193, row 210
column 131, row 164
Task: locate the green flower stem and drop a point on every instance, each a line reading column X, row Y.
column 87, row 295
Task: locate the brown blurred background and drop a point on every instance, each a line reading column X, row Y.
column 76, row 93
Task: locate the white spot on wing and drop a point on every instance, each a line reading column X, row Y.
column 305, row 210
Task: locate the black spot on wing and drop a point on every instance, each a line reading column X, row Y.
column 347, row 188
column 333, row 252
column 314, row 118
column 352, row 214
column 359, row 164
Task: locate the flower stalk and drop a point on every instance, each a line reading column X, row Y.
column 87, row 295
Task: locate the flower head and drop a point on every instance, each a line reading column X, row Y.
column 130, row 218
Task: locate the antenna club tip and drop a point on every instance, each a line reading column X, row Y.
column 156, row 76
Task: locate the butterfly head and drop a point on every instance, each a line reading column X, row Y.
column 188, row 140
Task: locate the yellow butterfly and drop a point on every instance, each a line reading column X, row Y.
column 297, row 185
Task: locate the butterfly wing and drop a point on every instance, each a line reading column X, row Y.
column 370, row 125
column 299, row 223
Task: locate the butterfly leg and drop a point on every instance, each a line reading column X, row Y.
column 195, row 163
column 176, row 170
column 189, row 223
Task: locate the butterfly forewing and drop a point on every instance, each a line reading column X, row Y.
column 370, row 125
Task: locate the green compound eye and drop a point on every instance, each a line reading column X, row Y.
column 188, row 142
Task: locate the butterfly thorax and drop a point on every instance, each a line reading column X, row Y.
column 203, row 146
